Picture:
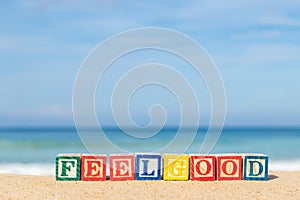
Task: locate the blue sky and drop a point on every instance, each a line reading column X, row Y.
column 255, row 44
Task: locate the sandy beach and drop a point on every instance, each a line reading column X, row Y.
column 281, row 185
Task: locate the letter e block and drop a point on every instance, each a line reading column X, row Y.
column 203, row 167
column 93, row 167
column 147, row 166
column 121, row 167
column 176, row 167
column 256, row 167
column 229, row 167
column 68, row 167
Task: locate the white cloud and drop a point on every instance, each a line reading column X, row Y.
column 55, row 110
column 279, row 21
column 256, row 35
column 55, row 114
column 263, row 56
column 39, row 44
column 51, row 111
column 49, row 39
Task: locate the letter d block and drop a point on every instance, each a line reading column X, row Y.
column 148, row 166
column 256, row 167
column 93, row 167
column 176, row 167
column 229, row 167
column 68, row 167
column 121, row 167
column 203, row 168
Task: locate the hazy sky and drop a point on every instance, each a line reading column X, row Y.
column 255, row 44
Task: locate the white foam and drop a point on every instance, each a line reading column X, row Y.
column 28, row 168
column 285, row 165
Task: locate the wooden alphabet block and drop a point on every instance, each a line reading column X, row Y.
column 256, row 167
column 176, row 167
column 93, row 167
column 68, row 167
column 229, row 167
column 148, row 166
column 121, row 167
column 203, row 167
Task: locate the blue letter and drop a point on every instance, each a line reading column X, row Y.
column 251, row 168
column 146, row 169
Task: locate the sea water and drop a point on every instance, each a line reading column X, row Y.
column 33, row 150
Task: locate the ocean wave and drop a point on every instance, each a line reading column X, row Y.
column 285, row 165
column 28, row 168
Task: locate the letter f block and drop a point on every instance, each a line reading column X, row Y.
column 121, row 167
column 93, row 167
column 68, row 167
column 176, row 167
column 256, row 167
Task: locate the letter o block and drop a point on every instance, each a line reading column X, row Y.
column 68, row 167
column 229, row 167
column 121, row 167
column 93, row 167
column 176, row 167
column 203, row 168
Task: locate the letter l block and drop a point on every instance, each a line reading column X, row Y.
column 147, row 166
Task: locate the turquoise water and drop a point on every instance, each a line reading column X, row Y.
column 32, row 151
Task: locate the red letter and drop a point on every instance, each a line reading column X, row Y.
column 198, row 166
column 93, row 168
column 122, row 168
column 234, row 167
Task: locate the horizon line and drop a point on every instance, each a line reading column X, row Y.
column 73, row 128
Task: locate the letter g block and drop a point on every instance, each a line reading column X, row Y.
column 176, row 167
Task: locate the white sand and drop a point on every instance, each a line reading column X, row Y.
column 282, row 185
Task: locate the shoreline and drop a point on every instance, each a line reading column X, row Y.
column 281, row 185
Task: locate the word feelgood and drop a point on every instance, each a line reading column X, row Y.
column 154, row 166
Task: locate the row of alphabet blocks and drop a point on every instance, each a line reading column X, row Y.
column 153, row 166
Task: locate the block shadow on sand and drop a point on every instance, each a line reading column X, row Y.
column 272, row 177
